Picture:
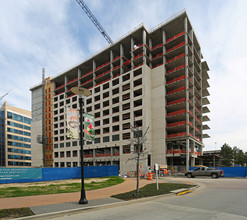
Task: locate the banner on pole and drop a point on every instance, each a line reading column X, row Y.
column 89, row 127
column 72, row 119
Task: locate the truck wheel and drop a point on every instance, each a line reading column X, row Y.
column 189, row 175
column 214, row 175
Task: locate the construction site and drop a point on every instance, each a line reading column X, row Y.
column 153, row 79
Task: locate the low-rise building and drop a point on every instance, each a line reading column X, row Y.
column 15, row 137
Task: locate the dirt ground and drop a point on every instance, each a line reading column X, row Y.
column 47, row 183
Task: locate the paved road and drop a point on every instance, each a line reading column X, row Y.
column 221, row 198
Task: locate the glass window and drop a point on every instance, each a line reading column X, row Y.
column 126, row 149
column 106, row 139
column 68, row 154
column 74, row 153
column 9, row 115
column 115, row 137
column 97, row 140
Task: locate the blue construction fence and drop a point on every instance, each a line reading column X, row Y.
column 231, row 171
column 24, row 175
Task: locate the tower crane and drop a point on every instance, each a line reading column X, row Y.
column 94, row 20
column 1, row 97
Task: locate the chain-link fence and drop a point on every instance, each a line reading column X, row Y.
column 177, row 170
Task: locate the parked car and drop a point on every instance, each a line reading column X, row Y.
column 204, row 171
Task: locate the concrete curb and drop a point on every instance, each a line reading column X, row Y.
column 98, row 207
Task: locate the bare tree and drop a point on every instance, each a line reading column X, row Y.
column 139, row 140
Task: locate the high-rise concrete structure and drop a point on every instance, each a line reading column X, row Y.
column 15, row 137
column 154, row 77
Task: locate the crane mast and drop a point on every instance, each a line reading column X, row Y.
column 94, row 20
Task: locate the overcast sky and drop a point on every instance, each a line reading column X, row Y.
column 56, row 34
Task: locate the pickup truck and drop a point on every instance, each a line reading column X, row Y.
column 204, row 171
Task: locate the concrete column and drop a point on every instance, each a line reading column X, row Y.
column 186, row 76
column 111, row 65
column 121, row 58
column 193, row 81
column 131, row 53
column 164, row 48
column 111, row 155
column 79, row 76
column 164, row 62
column 187, row 95
column 200, row 91
column 65, row 86
column 144, row 49
column 193, row 160
column 94, row 67
column 94, row 156
column 150, row 54
column 187, row 154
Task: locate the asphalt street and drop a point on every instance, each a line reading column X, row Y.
column 222, row 198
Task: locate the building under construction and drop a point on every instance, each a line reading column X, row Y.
column 154, row 78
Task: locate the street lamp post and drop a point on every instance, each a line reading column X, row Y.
column 81, row 92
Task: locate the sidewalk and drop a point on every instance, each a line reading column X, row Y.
column 43, row 206
column 32, row 201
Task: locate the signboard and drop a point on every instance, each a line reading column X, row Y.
column 89, row 127
column 163, row 166
column 72, row 123
column 20, row 173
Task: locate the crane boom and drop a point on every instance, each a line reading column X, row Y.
column 5, row 94
column 94, row 20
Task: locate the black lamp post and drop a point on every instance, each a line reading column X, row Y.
column 81, row 92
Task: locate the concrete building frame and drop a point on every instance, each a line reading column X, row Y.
column 156, row 78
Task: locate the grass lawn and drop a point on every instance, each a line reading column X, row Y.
column 150, row 190
column 57, row 188
column 15, row 213
column 48, row 189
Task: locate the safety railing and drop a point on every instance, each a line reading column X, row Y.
column 176, row 79
column 176, row 36
column 175, row 69
column 175, row 58
column 177, row 101
column 176, row 90
column 176, row 112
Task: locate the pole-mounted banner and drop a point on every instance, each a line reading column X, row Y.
column 72, row 119
column 89, row 127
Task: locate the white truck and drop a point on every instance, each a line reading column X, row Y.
column 204, row 171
